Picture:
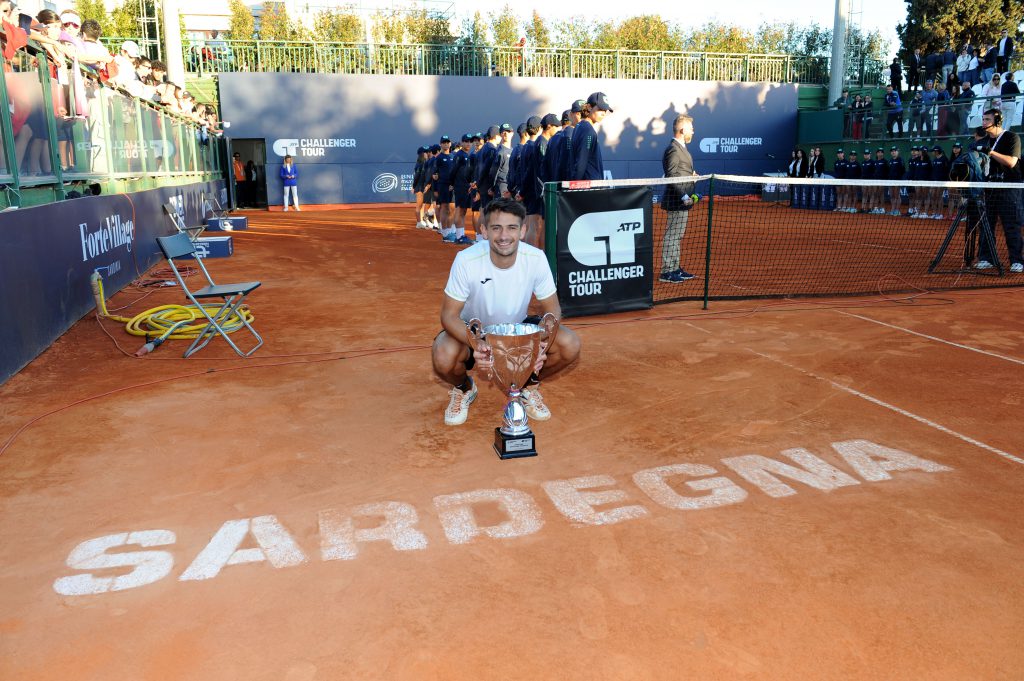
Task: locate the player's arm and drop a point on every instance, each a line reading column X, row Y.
column 549, row 304
column 455, row 327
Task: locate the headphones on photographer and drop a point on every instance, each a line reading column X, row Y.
column 997, row 117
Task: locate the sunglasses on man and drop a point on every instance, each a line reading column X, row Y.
column 71, row 24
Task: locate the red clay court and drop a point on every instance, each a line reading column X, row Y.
column 823, row 489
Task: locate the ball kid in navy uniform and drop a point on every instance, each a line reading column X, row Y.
column 460, row 189
column 498, row 170
column 476, row 145
column 484, row 160
column 444, row 162
column 556, row 144
column 514, row 180
column 842, row 191
column 896, row 173
column 587, row 163
column 528, row 194
column 853, row 172
column 537, row 175
column 418, row 182
column 565, row 156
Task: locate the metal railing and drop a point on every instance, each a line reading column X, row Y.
column 229, row 56
column 113, row 136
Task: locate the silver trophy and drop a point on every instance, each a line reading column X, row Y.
column 514, row 348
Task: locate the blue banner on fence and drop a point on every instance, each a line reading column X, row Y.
column 50, row 251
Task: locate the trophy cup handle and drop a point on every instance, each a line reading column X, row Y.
column 549, row 329
column 475, row 336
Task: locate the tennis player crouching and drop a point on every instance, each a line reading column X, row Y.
column 493, row 281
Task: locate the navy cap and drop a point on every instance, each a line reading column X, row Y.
column 956, row 143
column 879, row 150
column 421, row 150
column 549, row 119
column 936, row 148
column 467, row 137
column 521, row 129
column 533, row 122
column 435, row 148
column 506, row 127
column 445, row 138
column 867, row 151
column 599, row 100
column 566, row 116
column 893, row 149
column 577, row 106
column 493, row 131
column 840, row 151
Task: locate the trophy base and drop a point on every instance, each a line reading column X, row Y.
column 514, row 446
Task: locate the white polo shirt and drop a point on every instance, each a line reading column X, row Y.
column 494, row 295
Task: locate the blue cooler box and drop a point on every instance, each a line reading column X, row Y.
column 226, row 224
column 214, row 247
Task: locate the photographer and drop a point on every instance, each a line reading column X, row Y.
column 1004, row 205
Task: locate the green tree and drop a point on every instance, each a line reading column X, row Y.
column 537, row 31
column 388, row 27
column 717, row 37
column 474, row 31
column 647, row 32
column 242, row 25
column 275, row 24
column 428, row 28
column 505, row 27
column 94, row 9
column 123, row 21
column 576, row 31
column 931, row 24
column 337, row 26
column 606, row 36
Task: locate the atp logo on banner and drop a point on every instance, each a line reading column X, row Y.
column 286, row 147
column 606, row 238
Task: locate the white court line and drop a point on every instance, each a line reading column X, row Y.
column 934, row 338
column 902, row 412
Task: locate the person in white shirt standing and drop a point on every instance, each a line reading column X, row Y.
column 494, row 281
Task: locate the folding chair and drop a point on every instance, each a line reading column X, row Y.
column 179, row 223
column 233, row 295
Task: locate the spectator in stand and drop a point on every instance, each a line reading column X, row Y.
column 914, row 70
column 93, row 55
column 988, row 64
column 928, row 98
column 857, row 115
column 954, row 115
column 933, row 65
column 963, row 66
column 916, row 109
column 894, row 107
column 942, row 99
column 1011, row 95
column 896, row 75
column 966, row 103
column 159, row 71
column 843, row 104
column 1004, row 51
column 869, row 114
column 948, row 65
column 70, row 35
column 992, row 92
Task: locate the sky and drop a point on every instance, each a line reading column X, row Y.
column 871, row 14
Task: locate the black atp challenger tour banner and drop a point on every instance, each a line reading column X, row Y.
column 605, row 251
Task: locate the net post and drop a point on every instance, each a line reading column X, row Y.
column 707, row 252
column 551, row 226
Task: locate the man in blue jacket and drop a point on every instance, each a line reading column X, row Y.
column 894, row 105
column 290, row 179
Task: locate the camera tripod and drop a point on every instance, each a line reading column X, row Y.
column 974, row 217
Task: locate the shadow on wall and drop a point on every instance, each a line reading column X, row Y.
column 729, row 113
column 356, row 135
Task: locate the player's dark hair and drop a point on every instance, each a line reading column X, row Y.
column 996, row 114
column 510, row 206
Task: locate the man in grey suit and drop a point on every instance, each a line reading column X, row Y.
column 677, row 200
column 1004, row 50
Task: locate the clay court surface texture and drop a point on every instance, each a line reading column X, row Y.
column 814, row 489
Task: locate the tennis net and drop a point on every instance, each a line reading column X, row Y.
column 760, row 237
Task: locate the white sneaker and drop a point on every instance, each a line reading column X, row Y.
column 286, row 209
column 535, row 407
column 421, row 225
column 983, row 265
column 458, row 405
column 298, row 209
column 1017, row 267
